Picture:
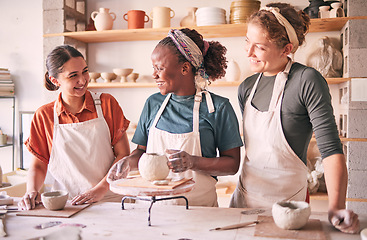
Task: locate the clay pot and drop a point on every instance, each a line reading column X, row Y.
column 190, row 19
column 136, row 19
column 233, row 72
column 54, row 200
column 153, row 166
column 133, row 76
column 364, row 234
column 161, row 17
column 108, row 77
column 122, row 73
column 291, row 215
column 94, row 76
column 103, row 20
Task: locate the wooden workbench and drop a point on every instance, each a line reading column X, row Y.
column 108, row 221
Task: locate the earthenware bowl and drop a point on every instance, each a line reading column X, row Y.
column 291, row 215
column 54, row 200
column 94, row 76
column 108, row 77
column 133, row 76
column 123, row 73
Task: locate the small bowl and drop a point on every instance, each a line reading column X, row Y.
column 94, row 76
column 54, row 200
column 364, row 234
column 291, row 215
column 108, row 77
column 133, row 76
column 123, row 73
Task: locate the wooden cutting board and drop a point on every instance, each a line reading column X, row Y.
column 41, row 211
column 267, row 228
column 139, row 182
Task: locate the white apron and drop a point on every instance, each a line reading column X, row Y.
column 204, row 192
column 81, row 153
column 271, row 171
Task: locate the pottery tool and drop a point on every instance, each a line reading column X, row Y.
column 253, row 211
column 235, row 226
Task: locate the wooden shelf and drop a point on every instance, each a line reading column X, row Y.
column 214, row 84
column 218, row 31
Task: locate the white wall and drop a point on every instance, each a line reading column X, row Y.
column 21, row 30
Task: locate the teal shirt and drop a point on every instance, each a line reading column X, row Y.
column 218, row 130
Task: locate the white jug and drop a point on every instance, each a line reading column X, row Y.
column 103, row 20
column 233, row 72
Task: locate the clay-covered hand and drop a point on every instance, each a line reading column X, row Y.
column 119, row 170
column 344, row 220
column 29, row 200
column 179, row 161
column 93, row 195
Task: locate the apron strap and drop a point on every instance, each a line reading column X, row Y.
column 198, row 98
column 161, row 109
column 279, row 85
column 56, row 118
column 97, row 104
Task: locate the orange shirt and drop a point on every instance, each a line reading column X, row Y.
column 39, row 142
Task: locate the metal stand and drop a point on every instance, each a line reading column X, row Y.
column 153, row 200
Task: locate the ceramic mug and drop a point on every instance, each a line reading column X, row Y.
column 136, row 19
column 3, row 139
column 161, row 17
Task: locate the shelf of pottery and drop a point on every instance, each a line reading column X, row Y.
column 209, row 21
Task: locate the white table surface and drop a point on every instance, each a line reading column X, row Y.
column 106, row 220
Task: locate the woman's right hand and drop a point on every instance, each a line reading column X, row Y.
column 119, row 170
column 29, row 200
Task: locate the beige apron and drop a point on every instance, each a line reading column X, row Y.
column 271, row 171
column 204, row 192
column 81, row 154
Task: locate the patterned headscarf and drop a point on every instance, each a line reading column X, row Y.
column 193, row 54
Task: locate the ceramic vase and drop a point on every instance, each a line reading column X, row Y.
column 190, row 19
column 103, row 20
column 233, row 72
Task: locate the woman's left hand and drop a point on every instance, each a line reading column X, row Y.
column 92, row 195
column 344, row 220
column 179, row 161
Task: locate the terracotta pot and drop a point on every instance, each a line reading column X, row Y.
column 103, row 20
column 136, row 19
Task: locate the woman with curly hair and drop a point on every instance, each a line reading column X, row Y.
column 185, row 121
column 282, row 105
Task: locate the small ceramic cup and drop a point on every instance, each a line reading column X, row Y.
column 291, row 215
column 3, row 139
column 54, row 200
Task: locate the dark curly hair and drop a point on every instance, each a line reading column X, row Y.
column 55, row 62
column 215, row 61
column 275, row 31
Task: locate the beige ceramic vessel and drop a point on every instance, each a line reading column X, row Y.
column 123, row 73
column 108, row 77
column 153, row 167
column 94, row 76
column 133, row 76
column 54, row 200
column 291, row 215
